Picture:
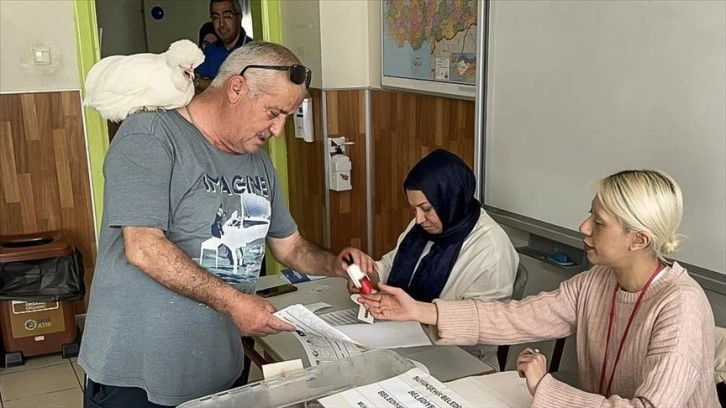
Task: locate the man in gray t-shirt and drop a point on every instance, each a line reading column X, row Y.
column 190, row 201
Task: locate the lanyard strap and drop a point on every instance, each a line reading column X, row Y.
column 625, row 333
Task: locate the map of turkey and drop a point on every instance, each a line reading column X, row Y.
column 430, row 39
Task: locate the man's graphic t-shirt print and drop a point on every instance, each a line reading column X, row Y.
column 235, row 250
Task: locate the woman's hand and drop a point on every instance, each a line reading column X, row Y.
column 360, row 258
column 373, row 276
column 532, row 365
column 392, row 303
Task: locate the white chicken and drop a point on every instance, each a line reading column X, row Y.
column 120, row 85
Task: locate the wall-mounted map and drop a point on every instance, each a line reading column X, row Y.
column 433, row 41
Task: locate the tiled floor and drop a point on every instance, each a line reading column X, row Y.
column 43, row 382
column 49, row 382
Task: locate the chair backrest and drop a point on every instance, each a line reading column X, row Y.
column 520, row 281
column 720, row 364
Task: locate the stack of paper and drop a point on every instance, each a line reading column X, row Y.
column 378, row 335
column 323, row 342
column 504, row 389
column 387, row 335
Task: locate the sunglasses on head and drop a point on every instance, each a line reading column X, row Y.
column 299, row 74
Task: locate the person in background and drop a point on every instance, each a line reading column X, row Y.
column 452, row 249
column 163, row 326
column 644, row 327
column 226, row 16
column 207, row 35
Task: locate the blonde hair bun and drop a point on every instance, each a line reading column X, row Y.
column 670, row 245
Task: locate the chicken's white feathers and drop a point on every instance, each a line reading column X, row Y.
column 119, row 85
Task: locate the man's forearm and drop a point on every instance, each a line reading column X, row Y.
column 150, row 251
column 306, row 257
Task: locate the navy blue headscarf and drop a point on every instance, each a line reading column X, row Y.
column 448, row 184
column 206, row 28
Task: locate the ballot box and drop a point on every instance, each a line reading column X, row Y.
column 303, row 388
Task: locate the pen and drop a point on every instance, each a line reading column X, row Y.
column 360, row 279
column 531, row 351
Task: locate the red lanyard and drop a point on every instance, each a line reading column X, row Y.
column 627, row 328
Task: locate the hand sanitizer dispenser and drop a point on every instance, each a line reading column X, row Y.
column 340, row 166
column 304, row 121
column 340, row 173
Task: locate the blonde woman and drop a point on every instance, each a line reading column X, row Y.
column 645, row 329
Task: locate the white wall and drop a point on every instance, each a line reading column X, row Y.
column 374, row 43
column 344, row 43
column 182, row 19
column 301, row 34
column 25, row 24
column 122, row 27
column 339, row 40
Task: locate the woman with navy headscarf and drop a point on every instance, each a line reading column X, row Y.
column 452, row 249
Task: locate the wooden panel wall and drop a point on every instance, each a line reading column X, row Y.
column 45, row 182
column 306, row 172
column 405, row 127
column 346, row 117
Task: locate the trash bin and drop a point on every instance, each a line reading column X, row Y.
column 40, row 276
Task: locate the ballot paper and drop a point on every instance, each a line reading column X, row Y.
column 308, row 322
column 320, row 350
column 341, row 317
column 321, row 341
column 324, row 342
column 386, row 335
column 414, row 388
column 314, row 307
column 503, row 389
column 381, row 334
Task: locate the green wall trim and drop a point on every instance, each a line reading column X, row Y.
column 266, row 20
column 88, row 47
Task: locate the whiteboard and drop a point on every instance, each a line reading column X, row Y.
column 577, row 90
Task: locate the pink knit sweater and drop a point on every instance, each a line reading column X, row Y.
column 667, row 358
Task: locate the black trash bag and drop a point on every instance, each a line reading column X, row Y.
column 50, row 279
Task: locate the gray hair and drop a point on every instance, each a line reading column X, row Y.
column 647, row 201
column 255, row 53
column 236, row 6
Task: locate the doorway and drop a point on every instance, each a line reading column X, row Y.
column 137, row 26
column 265, row 20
